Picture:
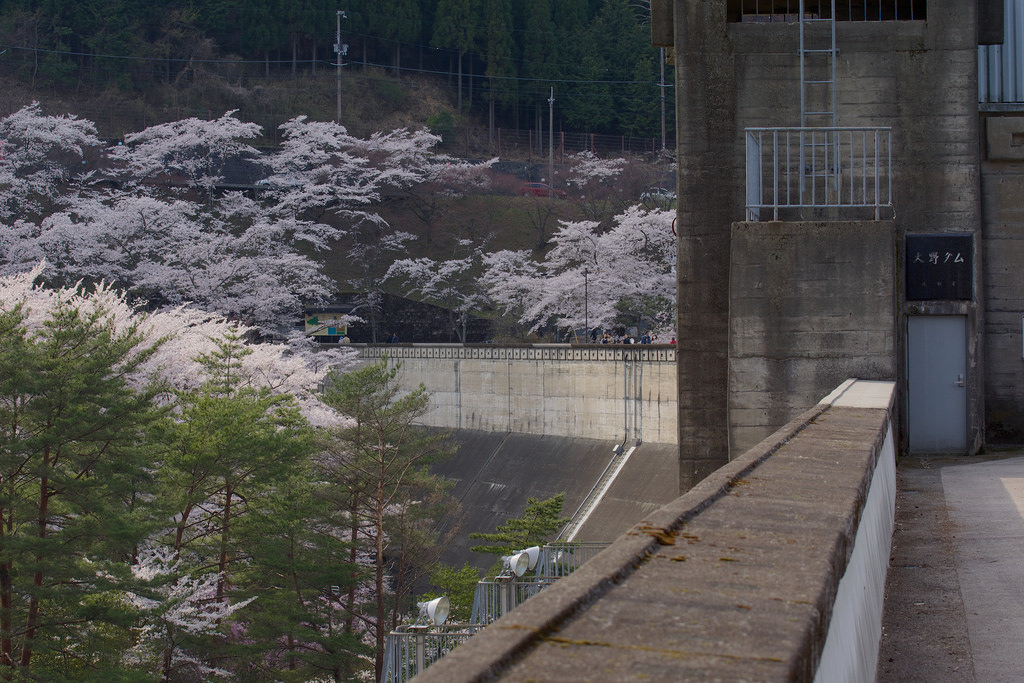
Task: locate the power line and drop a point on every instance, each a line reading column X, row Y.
column 324, row 62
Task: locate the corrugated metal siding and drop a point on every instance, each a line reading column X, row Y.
column 1001, row 67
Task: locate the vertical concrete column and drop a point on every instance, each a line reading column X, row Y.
column 708, row 168
column 938, row 162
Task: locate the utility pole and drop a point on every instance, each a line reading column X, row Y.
column 341, row 50
column 551, row 144
column 662, row 60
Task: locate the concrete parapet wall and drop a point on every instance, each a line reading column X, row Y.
column 741, row 578
column 609, row 392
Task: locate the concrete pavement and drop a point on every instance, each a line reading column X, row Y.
column 954, row 606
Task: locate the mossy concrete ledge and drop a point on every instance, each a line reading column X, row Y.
column 741, row 578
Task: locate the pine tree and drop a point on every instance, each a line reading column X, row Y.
column 376, row 471
column 534, row 527
column 298, row 570
column 233, row 445
column 74, row 442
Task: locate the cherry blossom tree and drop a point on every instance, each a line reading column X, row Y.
column 374, row 245
column 593, row 179
column 446, row 180
column 156, row 219
column 633, row 261
column 542, row 215
column 39, row 155
column 323, row 176
column 186, row 334
column 450, row 284
column 510, row 278
column 225, row 256
column 321, row 171
column 175, row 608
column 225, row 253
column 172, row 239
column 188, row 154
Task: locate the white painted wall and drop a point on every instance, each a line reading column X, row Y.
column 851, row 649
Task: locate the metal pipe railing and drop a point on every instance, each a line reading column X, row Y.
column 820, row 167
column 410, row 650
column 496, row 597
column 845, row 10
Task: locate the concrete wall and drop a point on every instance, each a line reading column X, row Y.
column 710, row 198
column 771, row 569
column 810, row 304
column 917, row 77
column 1003, row 188
column 611, row 392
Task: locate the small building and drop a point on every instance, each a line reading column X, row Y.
column 326, row 324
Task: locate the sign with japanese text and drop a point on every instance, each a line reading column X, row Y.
column 940, row 267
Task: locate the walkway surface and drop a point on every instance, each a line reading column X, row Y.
column 954, row 608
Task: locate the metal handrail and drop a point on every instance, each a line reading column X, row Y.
column 495, row 597
column 410, row 650
column 840, row 168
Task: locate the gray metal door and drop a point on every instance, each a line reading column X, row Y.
column 937, row 383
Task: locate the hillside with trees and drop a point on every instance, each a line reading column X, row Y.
column 479, row 76
column 449, row 63
column 191, row 488
column 159, row 215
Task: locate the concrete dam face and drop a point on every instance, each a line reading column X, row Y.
column 495, row 473
column 597, row 423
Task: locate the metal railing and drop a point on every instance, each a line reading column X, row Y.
column 561, row 558
column 845, row 10
column 496, row 597
column 845, row 169
column 409, row 650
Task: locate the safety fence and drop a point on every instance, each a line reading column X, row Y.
column 818, row 168
column 410, row 649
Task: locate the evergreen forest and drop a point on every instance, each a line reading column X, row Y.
column 499, row 63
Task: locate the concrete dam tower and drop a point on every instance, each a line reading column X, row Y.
column 846, row 208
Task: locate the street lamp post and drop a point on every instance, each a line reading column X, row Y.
column 586, row 303
column 551, row 145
